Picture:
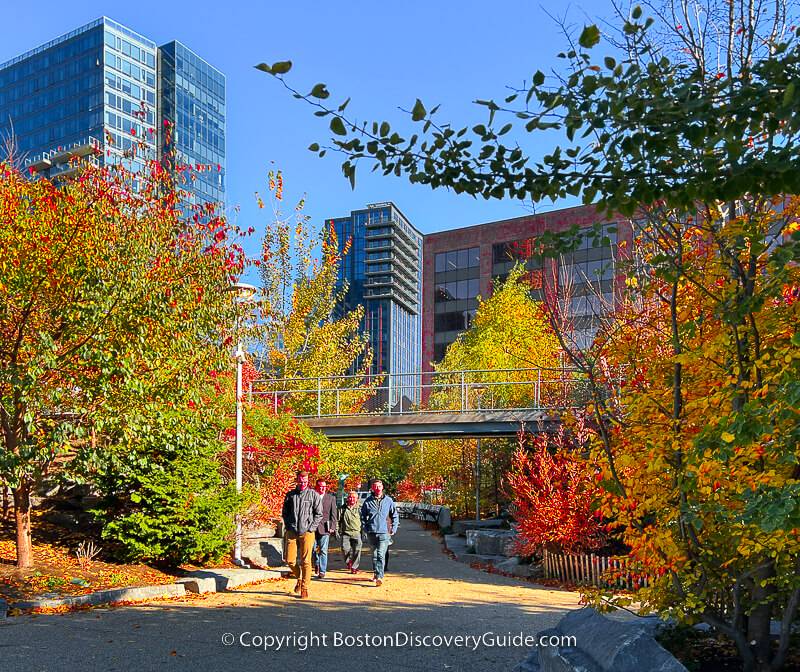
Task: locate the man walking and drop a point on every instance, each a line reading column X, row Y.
column 302, row 513
column 376, row 511
column 350, row 529
column 325, row 529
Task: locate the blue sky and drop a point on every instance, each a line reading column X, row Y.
column 382, row 54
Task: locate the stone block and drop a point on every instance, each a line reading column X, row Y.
column 263, row 551
column 461, row 526
column 513, row 567
column 227, row 579
column 495, row 542
column 199, row 584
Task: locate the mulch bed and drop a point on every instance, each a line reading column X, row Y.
column 58, row 572
column 709, row 652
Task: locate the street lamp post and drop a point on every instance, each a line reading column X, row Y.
column 243, row 293
column 479, row 390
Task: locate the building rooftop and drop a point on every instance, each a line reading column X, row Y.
column 77, row 31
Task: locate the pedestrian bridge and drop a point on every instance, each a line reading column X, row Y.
column 438, row 405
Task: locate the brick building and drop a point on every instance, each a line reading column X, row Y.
column 460, row 265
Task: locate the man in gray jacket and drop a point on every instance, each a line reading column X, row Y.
column 380, row 520
column 302, row 513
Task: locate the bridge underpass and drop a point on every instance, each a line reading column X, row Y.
column 440, row 405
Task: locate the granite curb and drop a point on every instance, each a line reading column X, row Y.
column 201, row 581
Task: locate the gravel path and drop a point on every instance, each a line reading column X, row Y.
column 425, row 594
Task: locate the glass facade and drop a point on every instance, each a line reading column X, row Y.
column 586, row 279
column 193, row 103
column 456, row 289
column 383, row 272
column 94, row 92
column 586, row 276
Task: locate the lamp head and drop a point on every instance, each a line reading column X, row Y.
column 242, row 291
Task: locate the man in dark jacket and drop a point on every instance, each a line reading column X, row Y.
column 302, row 513
column 325, row 529
column 380, row 520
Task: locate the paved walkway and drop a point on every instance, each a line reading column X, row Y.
column 425, row 593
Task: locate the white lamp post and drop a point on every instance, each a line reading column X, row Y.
column 242, row 293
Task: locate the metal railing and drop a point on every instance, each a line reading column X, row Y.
column 468, row 391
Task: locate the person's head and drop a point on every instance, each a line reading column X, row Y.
column 352, row 498
column 322, row 486
column 302, row 480
column 377, row 487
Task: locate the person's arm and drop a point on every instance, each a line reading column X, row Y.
column 332, row 516
column 316, row 509
column 395, row 517
column 285, row 509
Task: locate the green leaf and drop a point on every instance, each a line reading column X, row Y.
column 589, row 37
column 314, row 147
column 337, row 126
column 319, row 91
column 281, row 67
column 264, row 67
column 418, row 113
column 538, row 78
column 788, row 95
column 636, row 12
column 610, row 62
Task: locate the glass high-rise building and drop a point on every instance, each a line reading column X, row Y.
column 383, row 272
column 193, row 103
column 103, row 91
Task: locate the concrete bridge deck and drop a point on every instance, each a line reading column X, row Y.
column 417, row 426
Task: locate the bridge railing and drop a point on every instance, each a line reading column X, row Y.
column 483, row 391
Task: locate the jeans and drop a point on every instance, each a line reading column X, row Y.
column 351, row 549
column 321, row 552
column 379, row 543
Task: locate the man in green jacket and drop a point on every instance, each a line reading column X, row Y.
column 350, row 529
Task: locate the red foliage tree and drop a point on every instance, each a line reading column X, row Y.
column 553, row 491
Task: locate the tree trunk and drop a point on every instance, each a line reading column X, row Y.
column 22, row 516
column 758, row 620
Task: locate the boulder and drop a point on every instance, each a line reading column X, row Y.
column 444, row 519
column 599, row 644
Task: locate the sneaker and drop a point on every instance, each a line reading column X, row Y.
column 353, row 571
column 296, row 587
column 321, row 575
column 378, row 583
column 303, row 594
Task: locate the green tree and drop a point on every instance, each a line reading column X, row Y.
column 303, row 334
column 162, row 496
column 108, row 302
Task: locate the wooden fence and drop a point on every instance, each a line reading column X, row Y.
column 593, row 570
